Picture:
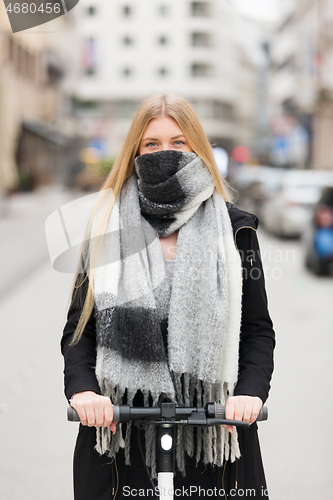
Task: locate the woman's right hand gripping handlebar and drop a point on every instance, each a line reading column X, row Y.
column 94, row 410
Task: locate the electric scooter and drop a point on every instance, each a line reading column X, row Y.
column 166, row 417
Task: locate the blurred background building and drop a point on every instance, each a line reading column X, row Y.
column 69, row 89
column 323, row 112
column 124, row 51
column 301, row 84
column 35, row 149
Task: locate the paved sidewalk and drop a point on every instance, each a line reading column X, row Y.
column 22, row 233
column 36, row 440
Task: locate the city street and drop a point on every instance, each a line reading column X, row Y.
column 297, row 440
column 37, row 441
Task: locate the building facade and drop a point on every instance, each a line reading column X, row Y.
column 292, row 83
column 301, row 85
column 31, row 70
column 323, row 111
column 125, row 51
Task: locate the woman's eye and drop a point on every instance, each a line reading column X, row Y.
column 179, row 143
column 151, row 144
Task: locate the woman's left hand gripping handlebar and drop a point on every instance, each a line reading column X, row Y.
column 94, row 410
column 243, row 409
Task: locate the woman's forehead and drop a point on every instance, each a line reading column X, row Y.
column 162, row 125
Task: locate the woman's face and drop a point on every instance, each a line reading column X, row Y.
column 163, row 134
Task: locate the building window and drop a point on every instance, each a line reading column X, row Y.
column 211, row 108
column 124, row 108
column 163, row 10
column 53, row 74
column 89, row 56
column 91, row 11
column 163, row 71
column 127, row 40
column 223, row 110
column 162, row 40
column 201, row 69
column 127, row 72
column 201, row 39
column 127, row 10
column 200, row 9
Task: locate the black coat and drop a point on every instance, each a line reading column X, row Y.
column 257, row 342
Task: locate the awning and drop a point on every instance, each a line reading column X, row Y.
column 46, row 130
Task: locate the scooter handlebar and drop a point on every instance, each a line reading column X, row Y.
column 123, row 413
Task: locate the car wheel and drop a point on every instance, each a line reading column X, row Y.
column 308, row 262
column 320, row 268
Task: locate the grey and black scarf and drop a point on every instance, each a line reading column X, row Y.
column 169, row 190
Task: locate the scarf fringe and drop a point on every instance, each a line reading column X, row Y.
column 213, row 444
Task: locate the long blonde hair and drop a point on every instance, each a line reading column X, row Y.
column 156, row 106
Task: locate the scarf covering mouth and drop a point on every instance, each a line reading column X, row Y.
column 172, row 185
column 169, row 190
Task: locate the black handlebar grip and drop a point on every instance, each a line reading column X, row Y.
column 219, row 412
column 72, row 415
column 263, row 414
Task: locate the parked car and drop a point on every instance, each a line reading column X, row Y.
column 255, row 185
column 289, row 211
column 263, row 188
column 241, row 178
column 318, row 238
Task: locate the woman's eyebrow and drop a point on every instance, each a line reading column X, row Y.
column 154, row 138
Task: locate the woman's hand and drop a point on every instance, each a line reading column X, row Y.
column 94, row 410
column 242, row 408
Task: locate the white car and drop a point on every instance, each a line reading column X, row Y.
column 289, row 211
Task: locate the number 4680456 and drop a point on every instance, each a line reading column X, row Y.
column 31, row 8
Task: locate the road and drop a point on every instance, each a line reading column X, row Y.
column 37, row 442
column 297, row 441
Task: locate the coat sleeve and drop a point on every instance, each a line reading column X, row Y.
column 257, row 338
column 79, row 359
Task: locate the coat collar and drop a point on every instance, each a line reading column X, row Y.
column 240, row 218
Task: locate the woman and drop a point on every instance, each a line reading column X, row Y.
column 171, row 305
